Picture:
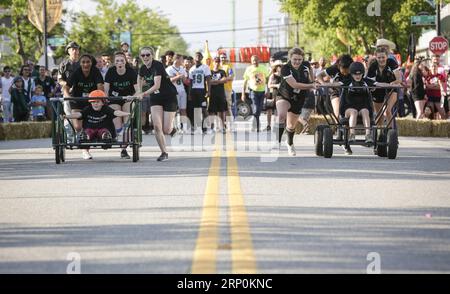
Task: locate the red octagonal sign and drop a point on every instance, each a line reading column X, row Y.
column 438, row 45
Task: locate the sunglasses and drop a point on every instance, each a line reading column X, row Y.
column 145, row 55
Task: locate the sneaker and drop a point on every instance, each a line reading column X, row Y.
column 369, row 139
column 86, row 155
column 198, row 131
column 119, row 137
column 291, row 149
column 209, row 131
column 124, row 154
column 82, row 137
column 106, row 136
column 352, row 138
column 163, row 157
column 348, row 150
column 269, row 128
column 224, row 131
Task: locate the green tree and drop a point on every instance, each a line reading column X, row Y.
column 99, row 33
column 336, row 24
column 27, row 40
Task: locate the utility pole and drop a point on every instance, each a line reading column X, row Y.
column 233, row 25
column 438, row 17
column 260, row 18
column 45, row 35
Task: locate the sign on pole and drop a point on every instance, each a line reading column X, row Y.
column 423, row 20
column 56, row 41
column 36, row 13
column 438, row 45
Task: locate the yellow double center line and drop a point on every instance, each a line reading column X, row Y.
column 205, row 255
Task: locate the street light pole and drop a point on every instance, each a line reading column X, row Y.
column 438, row 17
column 45, row 35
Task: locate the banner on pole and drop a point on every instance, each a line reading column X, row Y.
column 36, row 13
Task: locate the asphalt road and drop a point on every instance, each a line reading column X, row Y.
column 223, row 208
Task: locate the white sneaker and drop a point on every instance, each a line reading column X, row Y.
column 119, row 137
column 198, row 132
column 291, row 149
column 209, row 131
column 86, row 155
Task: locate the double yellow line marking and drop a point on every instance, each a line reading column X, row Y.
column 205, row 255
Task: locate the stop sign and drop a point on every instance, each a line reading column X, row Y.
column 438, row 45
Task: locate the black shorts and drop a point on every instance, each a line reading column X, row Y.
column 379, row 95
column 78, row 104
column 296, row 102
column 169, row 104
column 198, row 98
column 357, row 107
column 217, row 104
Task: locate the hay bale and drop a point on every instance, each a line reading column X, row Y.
column 25, row 130
column 414, row 128
column 441, row 128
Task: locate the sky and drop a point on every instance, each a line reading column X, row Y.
column 209, row 15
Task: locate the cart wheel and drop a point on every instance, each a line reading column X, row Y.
column 392, row 144
column 62, row 154
column 135, row 152
column 327, row 143
column 243, row 110
column 381, row 149
column 318, row 140
column 58, row 154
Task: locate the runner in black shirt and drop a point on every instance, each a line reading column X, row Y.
column 154, row 81
column 67, row 68
column 384, row 74
column 84, row 80
column 121, row 81
column 293, row 90
column 338, row 72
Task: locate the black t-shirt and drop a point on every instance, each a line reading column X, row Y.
column 98, row 119
column 47, row 84
column 390, row 62
column 121, row 85
column 149, row 74
column 301, row 75
column 385, row 76
column 357, row 97
column 82, row 85
column 67, row 68
column 218, row 91
column 417, row 87
column 334, row 72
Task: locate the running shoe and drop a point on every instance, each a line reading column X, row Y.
column 86, row 155
column 163, row 157
column 124, row 154
column 352, row 138
column 369, row 139
column 291, row 149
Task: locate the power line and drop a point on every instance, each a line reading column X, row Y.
column 211, row 31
